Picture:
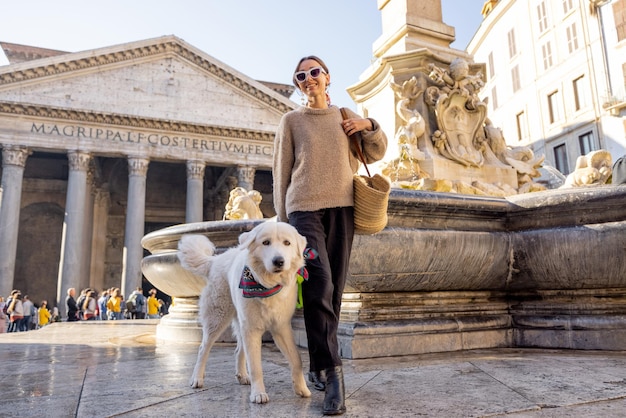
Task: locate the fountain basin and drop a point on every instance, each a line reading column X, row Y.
column 456, row 272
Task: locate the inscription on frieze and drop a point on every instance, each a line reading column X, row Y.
column 151, row 139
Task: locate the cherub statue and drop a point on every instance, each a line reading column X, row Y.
column 591, row 169
column 243, row 205
column 456, row 78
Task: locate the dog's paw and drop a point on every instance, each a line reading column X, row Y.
column 259, row 397
column 196, row 383
column 302, row 391
column 243, row 379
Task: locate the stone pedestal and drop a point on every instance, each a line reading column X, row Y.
column 181, row 323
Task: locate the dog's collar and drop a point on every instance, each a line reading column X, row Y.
column 253, row 289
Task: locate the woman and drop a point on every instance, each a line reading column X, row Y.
column 90, row 306
column 16, row 312
column 114, row 304
column 44, row 314
column 153, row 305
column 313, row 170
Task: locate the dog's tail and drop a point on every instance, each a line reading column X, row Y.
column 195, row 253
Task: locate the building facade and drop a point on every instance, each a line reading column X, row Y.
column 101, row 147
column 556, row 71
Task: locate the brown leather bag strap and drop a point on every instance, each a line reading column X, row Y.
column 355, row 142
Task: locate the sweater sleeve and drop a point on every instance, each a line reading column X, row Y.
column 281, row 168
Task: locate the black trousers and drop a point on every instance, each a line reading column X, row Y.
column 330, row 232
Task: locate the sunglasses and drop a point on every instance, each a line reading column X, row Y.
column 313, row 72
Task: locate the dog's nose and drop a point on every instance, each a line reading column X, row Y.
column 278, row 261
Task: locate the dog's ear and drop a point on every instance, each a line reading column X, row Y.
column 301, row 243
column 247, row 238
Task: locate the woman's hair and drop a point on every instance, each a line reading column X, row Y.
column 309, row 57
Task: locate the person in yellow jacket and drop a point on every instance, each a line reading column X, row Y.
column 153, row 305
column 44, row 314
column 114, row 304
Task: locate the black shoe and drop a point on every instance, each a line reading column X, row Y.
column 318, row 379
column 334, row 400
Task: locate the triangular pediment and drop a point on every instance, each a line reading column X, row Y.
column 158, row 79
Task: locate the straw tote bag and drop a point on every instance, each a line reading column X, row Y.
column 371, row 195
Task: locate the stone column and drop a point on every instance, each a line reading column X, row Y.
column 135, row 224
column 72, row 243
column 245, row 177
column 102, row 202
column 13, row 163
column 85, row 266
column 195, row 185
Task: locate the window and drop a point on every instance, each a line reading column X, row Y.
column 567, row 6
column 515, row 78
column 494, row 98
column 553, row 106
column 586, row 143
column 512, row 47
column 522, row 128
column 619, row 15
column 572, row 38
column 491, row 67
column 542, row 17
column 560, row 159
column 580, row 97
column 546, row 51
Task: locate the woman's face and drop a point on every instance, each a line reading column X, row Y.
column 313, row 86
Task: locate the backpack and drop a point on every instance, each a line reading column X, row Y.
column 130, row 306
column 81, row 301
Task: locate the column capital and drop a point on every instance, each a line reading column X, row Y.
column 195, row 169
column 15, row 155
column 138, row 166
column 79, row 160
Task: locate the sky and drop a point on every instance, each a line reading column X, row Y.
column 263, row 39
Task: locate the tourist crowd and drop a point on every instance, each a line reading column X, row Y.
column 18, row 313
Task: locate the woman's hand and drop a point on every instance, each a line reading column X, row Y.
column 354, row 125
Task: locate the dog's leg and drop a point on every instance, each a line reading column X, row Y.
column 212, row 328
column 240, row 357
column 283, row 337
column 251, row 339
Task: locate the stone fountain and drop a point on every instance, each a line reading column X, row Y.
column 478, row 251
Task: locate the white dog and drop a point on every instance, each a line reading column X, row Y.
column 252, row 287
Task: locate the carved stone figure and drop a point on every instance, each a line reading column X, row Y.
column 591, row 169
column 243, row 204
column 457, row 142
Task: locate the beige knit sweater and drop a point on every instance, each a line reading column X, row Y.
column 313, row 162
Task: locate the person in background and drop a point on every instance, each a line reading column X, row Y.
column 8, row 314
column 114, row 305
column 90, row 306
column 139, row 304
column 56, row 317
column 3, row 316
column 313, row 170
column 16, row 312
column 29, row 310
column 81, row 301
column 153, row 305
column 71, row 306
column 44, row 314
column 102, row 304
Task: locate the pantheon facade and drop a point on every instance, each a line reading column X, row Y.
column 101, row 147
